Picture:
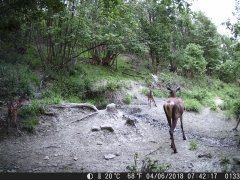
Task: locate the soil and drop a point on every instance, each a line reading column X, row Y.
column 104, row 142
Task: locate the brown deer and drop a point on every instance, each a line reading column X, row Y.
column 173, row 108
column 13, row 107
column 150, row 98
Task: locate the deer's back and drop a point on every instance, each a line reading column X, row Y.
column 174, row 105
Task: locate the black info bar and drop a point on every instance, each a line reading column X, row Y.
column 127, row 176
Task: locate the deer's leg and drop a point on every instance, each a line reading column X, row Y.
column 184, row 137
column 154, row 102
column 168, row 119
column 174, row 122
column 149, row 101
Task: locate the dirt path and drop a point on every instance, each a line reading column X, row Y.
column 61, row 145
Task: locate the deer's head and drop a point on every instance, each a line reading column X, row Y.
column 173, row 91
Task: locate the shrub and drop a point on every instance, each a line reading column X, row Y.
column 113, row 86
column 148, row 165
column 127, row 99
column 153, row 166
column 30, row 123
column 33, row 109
column 192, row 105
column 213, row 107
column 16, row 80
column 193, row 145
column 227, row 71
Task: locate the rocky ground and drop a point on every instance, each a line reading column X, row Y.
column 80, row 139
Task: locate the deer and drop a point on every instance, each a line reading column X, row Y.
column 150, row 97
column 173, row 108
column 13, row 107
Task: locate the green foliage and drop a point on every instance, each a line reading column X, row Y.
column 16, row 80
column 148, row 165
column 31, row 57
column 192, row 105
column 127, row 99
column 227, row 71
column 225, row 160
column 194, row 63
column 153, row 166
column 34, row 109
column 193, row 145
column 30, row 123
column 214, row 107
column 113, row 86
column 72, row 86
column 205, row 34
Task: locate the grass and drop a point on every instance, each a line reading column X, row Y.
column 192, row 105
column 226, row 163
column 30, row 123
column 127, row 99
column 200, row 92
column 148, row 165
column 193, row 145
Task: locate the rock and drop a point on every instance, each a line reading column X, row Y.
column 207, row 155
column 75, row 158
column 99, row 143
column 130, row 120
column 117, row 154
column 107, row 127
column 111, row 108
column 109, row 156
column 49, row 113
column 95, row 129
column 46, row 158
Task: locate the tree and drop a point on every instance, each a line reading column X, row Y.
column 194, row 63
column 205, row 34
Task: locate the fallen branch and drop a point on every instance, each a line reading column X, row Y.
column 74, row 105
column 87, row 116
column 153, row 151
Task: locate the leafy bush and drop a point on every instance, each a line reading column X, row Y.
column 213, row 107
column 193, row 145
column 72, row 86
column 113, row 86
column 192, row 105
column 148, row 165
column 153, row 166
column 30, row 123
column 16, row 80
column 33, row 109
column 227, row 71
column 127, row 99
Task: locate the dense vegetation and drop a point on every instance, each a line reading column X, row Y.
column 57, row 50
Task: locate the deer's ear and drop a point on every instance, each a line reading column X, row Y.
column 178, row 89
column 168, row 88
